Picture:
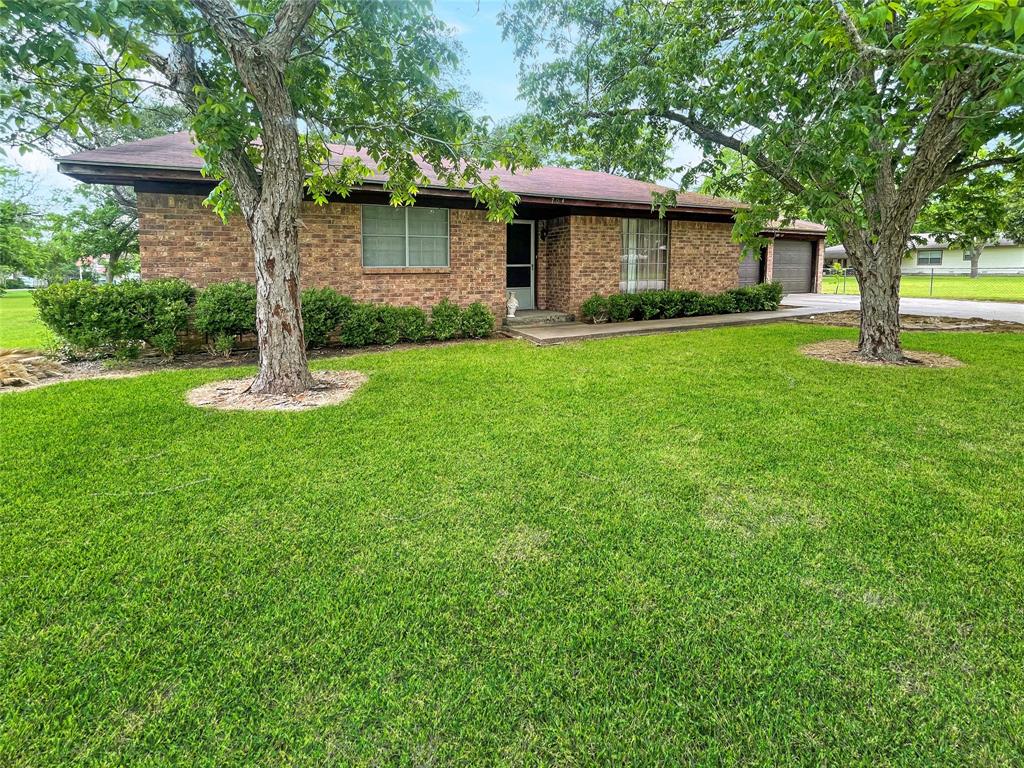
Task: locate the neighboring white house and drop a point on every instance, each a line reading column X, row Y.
column 1004, row 257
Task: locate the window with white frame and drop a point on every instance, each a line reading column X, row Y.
column 644, row 265
column 409, row 236
column 926, row 258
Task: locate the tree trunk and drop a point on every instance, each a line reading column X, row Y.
column 878, row 273
column 270, row 198
column 975, row 254
column 282, row 345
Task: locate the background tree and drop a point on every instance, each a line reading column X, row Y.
column 973, row 212
column 105, row 206
column 103, row 228
column 19, row 226
column 248, row 76
column 856, row 112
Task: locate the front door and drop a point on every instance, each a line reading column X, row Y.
column 519, row 260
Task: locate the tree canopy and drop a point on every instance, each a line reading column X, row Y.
column 372, row 74
column 268, row 86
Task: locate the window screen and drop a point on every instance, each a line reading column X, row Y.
column 405, row 237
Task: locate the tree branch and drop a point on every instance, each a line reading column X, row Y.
column 993, row 50
column 289, row 22
column 223, row 18
column 769, row 166
column 864, row 50
column 987, row 163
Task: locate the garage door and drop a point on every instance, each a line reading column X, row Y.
column 794, row 266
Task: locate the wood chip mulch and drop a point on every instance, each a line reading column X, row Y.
column 842, row 351
column 851, row 319
column 332, row 387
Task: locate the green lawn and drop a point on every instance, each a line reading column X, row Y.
column 19, row 322
column 983, row 287
column 698, row 548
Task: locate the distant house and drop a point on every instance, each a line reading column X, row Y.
column 928, row 255
column 576, row 233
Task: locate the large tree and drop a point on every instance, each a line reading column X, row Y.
column 19, row 225
column 267, row 84
column 974, row 211
column 855, row 111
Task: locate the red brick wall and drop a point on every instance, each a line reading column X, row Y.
column 178, row 237
column 702, row 256
column 553, row 265
column 581, row 256
column 818, row 249
column 596, row 258
column 769, row 261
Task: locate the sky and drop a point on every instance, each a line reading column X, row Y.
column 489, row 68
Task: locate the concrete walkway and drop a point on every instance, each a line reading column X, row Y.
column 554, row 334
column 1006, row 311
column 794, row 305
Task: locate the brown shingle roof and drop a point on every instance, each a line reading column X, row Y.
column 176, row 152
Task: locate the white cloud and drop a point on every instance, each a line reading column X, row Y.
column 48, row 183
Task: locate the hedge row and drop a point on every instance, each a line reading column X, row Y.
column 654, row 305
column 119, row 319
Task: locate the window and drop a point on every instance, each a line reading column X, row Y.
column 405, row 237
column 644, row 265
column 925, row 258
column 967, row 256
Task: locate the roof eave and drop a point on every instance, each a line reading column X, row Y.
column 92, row 172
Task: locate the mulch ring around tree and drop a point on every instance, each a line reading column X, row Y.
column 331, row 388
column 844, row 351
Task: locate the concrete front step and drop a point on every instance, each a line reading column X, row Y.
column 526, row 318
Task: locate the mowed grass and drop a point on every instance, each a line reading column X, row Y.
column 698, row 548
column 19, row 321
column 983, row 287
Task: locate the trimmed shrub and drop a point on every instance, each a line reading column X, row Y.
column 388, row 330
column 66, row 309
column 595, row 309
column 413, row 324
column 716, row 304
column 445, row 321
column 170, row 302
column 226, row 309
column 323, row 312
column 757, row 298
column 360, row 327
column 650, row 305
column 770, row 296
column 117, row 318
column 477, row 321
column 619, row 307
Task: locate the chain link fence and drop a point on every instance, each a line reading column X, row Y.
column 991, row 284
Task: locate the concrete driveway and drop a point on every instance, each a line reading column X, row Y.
column 987, row 310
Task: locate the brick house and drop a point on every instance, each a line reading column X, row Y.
column 576, row 233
